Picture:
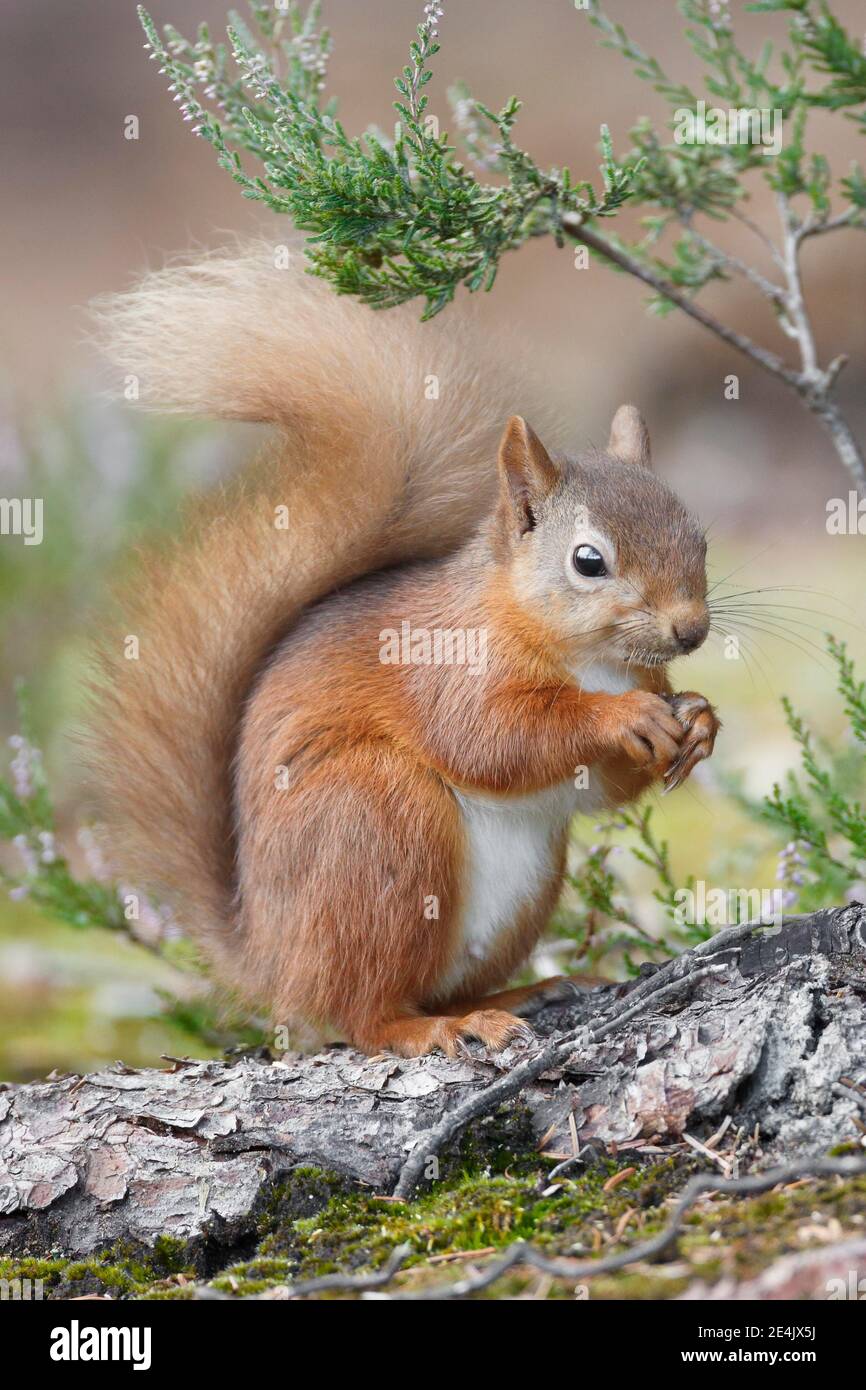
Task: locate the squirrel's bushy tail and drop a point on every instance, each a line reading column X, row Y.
column 386, row 440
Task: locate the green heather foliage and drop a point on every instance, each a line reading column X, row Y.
column 27, row 821
column 39, row 871
column 679, row 180
column 394, row 219
column 389, row 219
column 825, row 858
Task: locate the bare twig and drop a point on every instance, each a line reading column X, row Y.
column 697, row 1187
column 770, row 361
column 715, row 1139
column 720, row 1161
column 739, row 216
column 812, row 384
column 852, row 217
column 725, row 260
column 794, row 302
column 328, row 1282
column 851, row 1091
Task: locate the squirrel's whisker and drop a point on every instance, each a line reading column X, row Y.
column 725, row 578
column 749, row 656
column 778, row 609
column 722, row 635
column 769, row 629
column 789, row 589
column 767, row 615
column 754, row 626
column 769, row 623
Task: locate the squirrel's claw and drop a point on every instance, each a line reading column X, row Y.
column 694, row 753
column 700, row 724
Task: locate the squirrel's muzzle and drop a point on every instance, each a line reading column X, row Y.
column 689, row 632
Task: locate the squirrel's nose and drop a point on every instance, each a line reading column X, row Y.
column 691, row 632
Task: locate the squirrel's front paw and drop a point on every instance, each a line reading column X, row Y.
column 648, row 731
column 700, row 724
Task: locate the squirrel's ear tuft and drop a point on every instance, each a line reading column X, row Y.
column 629, row 437
column 527, row 473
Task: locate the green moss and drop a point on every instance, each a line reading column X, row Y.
column 471, row 1210
column 471, row 1213
column 46, row 1270
column 303, row 1193
column 745, row 1237
column 254, row 1276
column 477, row 1210
column 311, row 1225
column 171, row 1254
column 122, row 1271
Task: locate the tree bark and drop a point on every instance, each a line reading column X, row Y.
column 774, row 1037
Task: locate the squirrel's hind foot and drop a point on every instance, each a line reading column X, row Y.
column 415, row 1037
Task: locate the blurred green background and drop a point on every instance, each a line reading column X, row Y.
column 72, row 997
column 92, row 209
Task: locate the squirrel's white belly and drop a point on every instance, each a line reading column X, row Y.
column 511, row 848
column 512, row 841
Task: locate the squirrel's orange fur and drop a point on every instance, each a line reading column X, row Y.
column 369, row 847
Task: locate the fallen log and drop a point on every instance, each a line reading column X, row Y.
column 771, row 1033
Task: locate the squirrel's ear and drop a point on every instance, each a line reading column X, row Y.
column 527, row 473
column 629, row 437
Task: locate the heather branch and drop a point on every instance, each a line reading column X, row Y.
column 616, row 255
column 812, row 384
column 852, row 217
column 729, row 262
column 389, row 222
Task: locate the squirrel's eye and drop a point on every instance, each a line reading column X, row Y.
column 588, row 561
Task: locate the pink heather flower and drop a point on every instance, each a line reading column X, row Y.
column 48, row 854
column 28, row 855
column 25, row 766
column 93, row 856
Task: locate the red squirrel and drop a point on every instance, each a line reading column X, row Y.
column 378, row 674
